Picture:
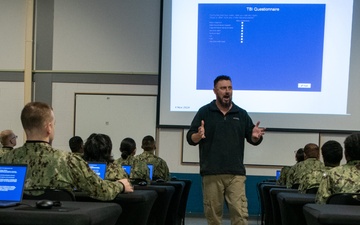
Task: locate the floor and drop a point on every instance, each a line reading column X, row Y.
column 200, row 220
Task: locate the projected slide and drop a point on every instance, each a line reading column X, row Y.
column 265, row 47
column 288, row 59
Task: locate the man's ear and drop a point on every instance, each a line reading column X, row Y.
column 49, row 127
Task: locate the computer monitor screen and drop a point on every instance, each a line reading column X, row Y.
column 127, row 169
column 278, row 174
column 151, row 169
column 99, row 168
column 12, row 180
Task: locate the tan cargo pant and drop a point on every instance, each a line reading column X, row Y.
column 232, row 188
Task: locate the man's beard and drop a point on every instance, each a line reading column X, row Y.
column 223, row 103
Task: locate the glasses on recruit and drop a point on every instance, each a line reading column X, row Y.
column 14, row 137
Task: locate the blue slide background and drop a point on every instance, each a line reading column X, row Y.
column 279, row 49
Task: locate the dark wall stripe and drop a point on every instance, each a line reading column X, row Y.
column 44, row 31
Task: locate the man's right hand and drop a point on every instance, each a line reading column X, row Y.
column 201, row 130
column 127, row 185
column 196, row 137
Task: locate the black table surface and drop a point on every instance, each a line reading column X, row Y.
column 332, row 214
column 74, row 213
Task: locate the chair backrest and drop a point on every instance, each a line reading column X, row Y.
column 344, row 199
column 295, row 186
column 50, row 194
column 312, row 190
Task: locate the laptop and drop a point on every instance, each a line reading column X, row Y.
column 12, row 182
column 99, row 168
column 278, row 174
column 127, row 169
column 151, row 169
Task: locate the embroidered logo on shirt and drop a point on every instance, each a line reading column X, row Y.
column 236, row 118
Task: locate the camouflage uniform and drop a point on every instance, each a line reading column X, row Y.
column 115, row 172
column 3, row 150
column 139, row 169
column 312, row 179
column 283, row 174
column 161, row 170
column 52, row 168
column 340, row 179
column 301, row 168
column 79, row 154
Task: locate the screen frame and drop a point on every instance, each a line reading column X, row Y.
column 315, row 123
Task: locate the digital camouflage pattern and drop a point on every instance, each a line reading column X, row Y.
column 139, row 169
column 340, row 179
column 115, row 172
column 301, row 168
column 161, row 169
column 52, row 168
column 3, row 150
column 283, row 175
column 311, row 180
column 79, row 154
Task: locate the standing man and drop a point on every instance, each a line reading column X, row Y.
column 220, row 128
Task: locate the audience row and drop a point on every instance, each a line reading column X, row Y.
column 52, row 168
column 310, row 175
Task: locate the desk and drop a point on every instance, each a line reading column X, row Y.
column 266, row 201
column 160, row 208
column 291, row 206
column 136, row 206
column 275, row 204
column 173, row 217
column 79, row 213
column 316, row 214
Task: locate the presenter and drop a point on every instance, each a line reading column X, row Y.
column 220, row 128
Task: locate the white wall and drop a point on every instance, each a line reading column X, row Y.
column 11, row 104
column 106, row 35
column 12, row 24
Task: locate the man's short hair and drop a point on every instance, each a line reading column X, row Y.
column 299, row 155
column 352, row 146
column 148, row 143
column 35, row 115
column 5, row 136
column 332, row 152
column 221, row 77
column 311, row 150
column 76, row 143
